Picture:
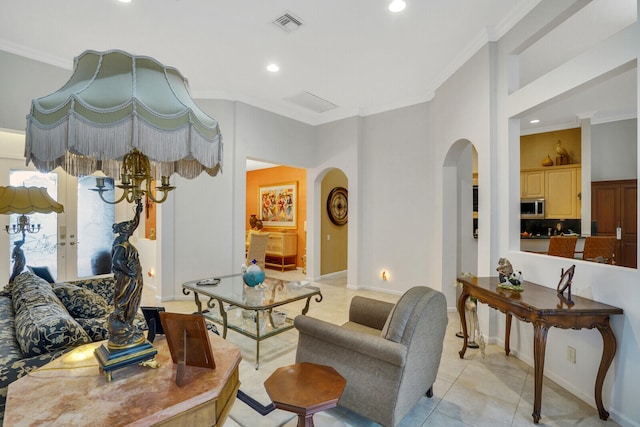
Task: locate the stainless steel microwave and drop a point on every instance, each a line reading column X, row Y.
column 532, row 208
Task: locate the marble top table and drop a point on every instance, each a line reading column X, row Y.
column 71, row 391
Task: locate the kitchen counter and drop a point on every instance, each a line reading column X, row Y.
column 543, row 237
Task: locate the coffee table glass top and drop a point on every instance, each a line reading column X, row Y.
column 272, row 293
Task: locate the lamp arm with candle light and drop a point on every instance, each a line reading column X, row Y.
column 136, row 169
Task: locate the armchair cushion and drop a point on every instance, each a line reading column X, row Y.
column 370, row 312
column 368, row 345
column 402, row 315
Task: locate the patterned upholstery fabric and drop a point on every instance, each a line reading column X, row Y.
column 81, row 302
column 34, row 295
column 42, row 323
column 95, row 328
column 103, row 286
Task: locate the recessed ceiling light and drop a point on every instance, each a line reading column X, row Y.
column 124, row 1
column 397, row 5
column 273, row 68
column 534, row 121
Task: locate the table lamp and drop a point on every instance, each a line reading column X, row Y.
column 24, row 201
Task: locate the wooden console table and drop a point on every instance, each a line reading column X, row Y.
column 71, row 391
column 544, row 308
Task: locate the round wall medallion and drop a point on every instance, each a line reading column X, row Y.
column 338, row 205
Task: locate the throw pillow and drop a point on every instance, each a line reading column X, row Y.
column 42, row 324
column 81, row 302
column 42, row 272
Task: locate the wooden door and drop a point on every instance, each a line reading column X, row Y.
column 629, row 224
column 613, row 205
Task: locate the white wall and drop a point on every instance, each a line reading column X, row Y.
column 614, row 150
column 461, row 115
column 607, row 284
column 202, row 231
column 337, row 146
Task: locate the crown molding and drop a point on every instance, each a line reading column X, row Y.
column 36, row 55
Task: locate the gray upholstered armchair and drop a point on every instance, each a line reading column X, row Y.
column 388, row 354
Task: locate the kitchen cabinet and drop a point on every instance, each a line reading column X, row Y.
column 559, row 186
column 532, row 184
column 561, row 192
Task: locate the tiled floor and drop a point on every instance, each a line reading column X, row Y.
column 492, row 391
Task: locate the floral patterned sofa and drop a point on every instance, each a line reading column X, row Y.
column 40, row 321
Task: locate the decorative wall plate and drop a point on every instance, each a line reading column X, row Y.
column 338, row 205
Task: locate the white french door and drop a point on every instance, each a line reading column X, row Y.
column 75, row 243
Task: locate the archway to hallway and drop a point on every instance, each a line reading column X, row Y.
column 459, row 221
column 286, row 190
column 333, row 233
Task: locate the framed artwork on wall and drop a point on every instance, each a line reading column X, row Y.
column 278, row 204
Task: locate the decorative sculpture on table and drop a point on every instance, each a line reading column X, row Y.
column 504, row 269
column 509, row 279
column 566, row 280
column 19, row 260
column 128, row 287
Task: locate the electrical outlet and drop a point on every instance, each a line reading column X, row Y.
column 571, row 354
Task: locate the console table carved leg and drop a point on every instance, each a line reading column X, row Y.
column 507, row 335
column 608, row 351
column 539, row 346
column 463, row 321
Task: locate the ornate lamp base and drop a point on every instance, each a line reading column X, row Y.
column 111, row 360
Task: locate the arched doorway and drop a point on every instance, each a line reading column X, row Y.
column 333, row 234
column 460, row 222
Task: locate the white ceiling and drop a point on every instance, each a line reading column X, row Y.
column 355, row 53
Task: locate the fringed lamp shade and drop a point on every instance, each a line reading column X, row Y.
column 27, row 200
column 116, row 102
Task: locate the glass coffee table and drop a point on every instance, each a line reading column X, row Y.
column 250, row 311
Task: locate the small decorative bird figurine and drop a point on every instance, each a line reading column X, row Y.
column 561, row 150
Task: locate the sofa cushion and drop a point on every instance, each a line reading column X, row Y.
column 41, row 321
column 81, row 302
column 42, row 272
column 9, row 349
column 103, row 286
column 95, row 327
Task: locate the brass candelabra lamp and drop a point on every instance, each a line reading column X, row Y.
column 23, row 226
column 136, row 170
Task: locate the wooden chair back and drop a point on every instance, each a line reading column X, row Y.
column 563, row 246
column 600, row 249
column 257, row 248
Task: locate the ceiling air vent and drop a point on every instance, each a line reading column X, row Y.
column 311, row 102
column 287, row 22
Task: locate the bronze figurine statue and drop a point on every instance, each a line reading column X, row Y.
column 128, row 287
column 19, row 260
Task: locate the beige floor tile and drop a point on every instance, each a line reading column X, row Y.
column 494, row 390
